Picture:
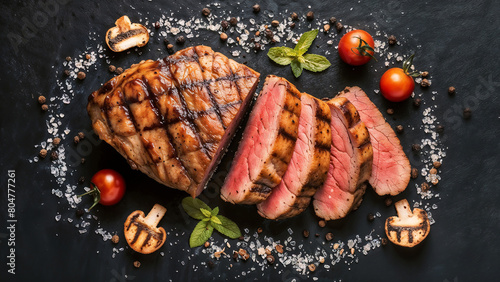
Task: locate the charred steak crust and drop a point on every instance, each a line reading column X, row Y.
column 173, row 118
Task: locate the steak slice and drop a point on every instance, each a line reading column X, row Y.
column 267, row 144
column 350, row 165
column 173, row 118
column 391, row 168
column 308, row 166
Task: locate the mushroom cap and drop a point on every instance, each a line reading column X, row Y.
column 126, row 35
column 142, row 235
column 409, row 228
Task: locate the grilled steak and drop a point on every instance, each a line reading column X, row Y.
column 308, row 165
column 173, row 118
column 350, row 165
column 267, row 144
column 391, row 168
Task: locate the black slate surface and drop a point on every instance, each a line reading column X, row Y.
column 455, row 40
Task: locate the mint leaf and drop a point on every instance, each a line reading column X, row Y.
column 227, row 227
column 215, row 211
column 282, row 55
column 305, row 42
column 316, row 63
column 215, row 220
column 192, row 207
column 201, row 233
column 296, row 67
column 206, row 213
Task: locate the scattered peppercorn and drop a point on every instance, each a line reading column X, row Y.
column 339, row 26
column 244, row 254
column 321, row 223
column 157, row 25
column 292, row 25
column 425, row 74
column 435, row 181
column 82, row 161
column 87, row 56
column 451, row 90
column 115, row 239
column 210, row 264
column 111, row 68
column 224, row 25
column 332, row 20
column 321, row 259
column 326, row 27
column 43, row 153
column 81, row 75
column 241, row 238
column 294, row 16
column 390, row 111
column 424, row 187
column 233, row 21
column 180, row 40
column 329, row 236
column 388, row 201
column 415, row 147
column 170, row 48
column 268, row 251
column 433, row 171
column 305, row 233
column 316, row 235
column 66, row 72
column 45, row 107
column 270, row 259
column 414, row 173
column 257, row 47
column 256, row 8
column 383, row 241
column 81, row 135
column 392, row 40
column 41, row 99
column 436, row 164
column 279, row 248
column 312, row 267
column 207, row 244
column 76, row 139
column 223, row 36
column 370, row 217
column 439, row 128
column 259, row 230
column 235, row 255
column 53, row 155
column 400, row 129
column 269, row 34
column 56, row 141
column 119, row 70
column 425, row 83
column 137, row 264
column 467, row 113
column 81, row 180
column 68, row 58
column 205, row 12
column 417, row 102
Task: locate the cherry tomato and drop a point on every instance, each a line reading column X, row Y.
column 108, row 187
column 356, row 47
column 396, row 85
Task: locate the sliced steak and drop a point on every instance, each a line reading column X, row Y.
column 267, row 144
column 391, row 168
column 308, row 166
column 350, row 164
column 173, row 118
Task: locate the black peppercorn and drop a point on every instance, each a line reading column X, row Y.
column 329, row 236
column 467, row 113
column 269, row 34
column 224, row 25
column 294, row 16
column 233, row 21
column 257, row 47
column 370, row 217
column 417, row 102
column 310, row 15
column 400, row 129
column 305, row 233
column 415, row 147
column 67, row 72
column 180, row 40
column 205, row 12
column 270, row 259
column 392, row 40
column 79, row 212
column 332, row 20
column 256, row 8
column 439, row 128
column 339, row 26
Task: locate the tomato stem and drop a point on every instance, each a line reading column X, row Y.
column 407, row 65
column 363, row 48
column 95, row 192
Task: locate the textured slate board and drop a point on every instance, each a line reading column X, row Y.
column 456, row 42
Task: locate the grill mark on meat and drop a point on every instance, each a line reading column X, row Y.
column 321, row 146
column 233, row 81
column 286, row 135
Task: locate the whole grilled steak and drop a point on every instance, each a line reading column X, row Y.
column 308, row 166
column 173, row 118
column 350, row 166
column 267, row 144
column 391, row 168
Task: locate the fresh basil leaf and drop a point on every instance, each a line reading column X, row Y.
column 192, row 207
column 215, row 211
column 282, row 55
column 215, row 220
column 305, row 41
column 201, row 233
column 296, row 67
column 206, row 213
column 206, row 219
column 316, row 63
column 227, row 227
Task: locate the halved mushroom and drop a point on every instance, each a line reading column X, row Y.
column 126, row 35
column 141, row 232
column 408, row 228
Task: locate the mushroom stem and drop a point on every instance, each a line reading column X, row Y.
column 403, row 209
column 155, row 215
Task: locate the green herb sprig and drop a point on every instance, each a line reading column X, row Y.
column 296, row 58
column 210, row 219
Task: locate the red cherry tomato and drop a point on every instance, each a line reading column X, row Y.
column 396, row 85
column 108, row 187
column 356, row 47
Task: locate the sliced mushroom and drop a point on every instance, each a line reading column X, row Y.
column 126, row 35
column 408, row 228
column 141, row 232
